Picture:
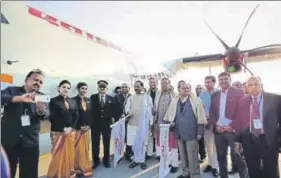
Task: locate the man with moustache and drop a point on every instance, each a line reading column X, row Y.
column 154, row 93
column 139, row 108
column 223, row 111
column 20, row 124
column 205, row 96
column 187, row 117
column 104, row 114
column 257, row 125
column 121, row 102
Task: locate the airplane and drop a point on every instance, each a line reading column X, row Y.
column 233, row 59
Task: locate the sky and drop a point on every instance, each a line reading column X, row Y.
column 162, row 31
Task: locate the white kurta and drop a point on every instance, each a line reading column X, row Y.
column 140, row 108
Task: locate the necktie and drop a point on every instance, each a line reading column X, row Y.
column 84, row 105
column 66, row 104
column 254, row 115
column 102, row 101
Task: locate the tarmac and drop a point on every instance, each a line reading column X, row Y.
column 121, row 171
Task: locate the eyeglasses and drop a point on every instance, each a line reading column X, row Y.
column 102, row 86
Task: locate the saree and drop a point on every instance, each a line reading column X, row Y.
column 62, row 164
column 82, row 156
column 5, row 166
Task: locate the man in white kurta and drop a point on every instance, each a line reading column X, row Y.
column 139, row 107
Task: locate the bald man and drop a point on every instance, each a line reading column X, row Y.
column 257, row 127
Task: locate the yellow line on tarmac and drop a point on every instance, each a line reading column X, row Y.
column 43, row 156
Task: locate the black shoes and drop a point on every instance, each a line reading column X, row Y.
column 215, row 173
column 234, row 170
column 96, row 164
column 173, row 170
column 208, row 169
column 181, row 176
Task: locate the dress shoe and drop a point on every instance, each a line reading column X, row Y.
column 128, row 158
column 215, row 173
column 233, row 171
column 173, row 169
column 107, row 165
column 148, row 157
column 181, row 176
column 96, row 164
column 208, row 169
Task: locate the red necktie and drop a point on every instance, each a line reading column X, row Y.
column 255, row 115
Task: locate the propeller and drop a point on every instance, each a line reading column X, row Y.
column 222, row 42
column 249, row 18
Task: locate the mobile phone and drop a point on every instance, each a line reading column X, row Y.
column 42, row 98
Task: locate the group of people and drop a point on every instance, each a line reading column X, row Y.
column 245, row 119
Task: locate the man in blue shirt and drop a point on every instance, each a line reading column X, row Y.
column 205, row 96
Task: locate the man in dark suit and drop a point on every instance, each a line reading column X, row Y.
column 104, row 114
column 20, row 124
column 223, row 110
column 257, row 125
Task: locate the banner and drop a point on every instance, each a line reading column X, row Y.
column 165, row 153
column 118, row 133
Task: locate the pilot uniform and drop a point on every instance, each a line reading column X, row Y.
column 104, row 114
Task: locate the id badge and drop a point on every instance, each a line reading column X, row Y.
column 257, row 123
column 25, row 120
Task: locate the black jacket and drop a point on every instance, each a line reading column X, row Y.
column 103, row 114
column 60, row 116
column 85, row 117
column 12, row 130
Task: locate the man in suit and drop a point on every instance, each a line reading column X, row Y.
column 20, row 124
column 223, row 110
column 104, row 114
column 121, row 100
column 257, row 127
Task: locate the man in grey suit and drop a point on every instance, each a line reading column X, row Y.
column 257, row 127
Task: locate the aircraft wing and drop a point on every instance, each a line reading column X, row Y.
column 194, row 61
column 263, row 53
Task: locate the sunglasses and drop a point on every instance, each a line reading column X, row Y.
column 102, row 86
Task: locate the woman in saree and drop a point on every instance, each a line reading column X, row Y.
column 63, row 118
column 83, row 167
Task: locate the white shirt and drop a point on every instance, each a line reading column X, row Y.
column 223, row 97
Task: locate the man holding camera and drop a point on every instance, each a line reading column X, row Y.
column 20, row 124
